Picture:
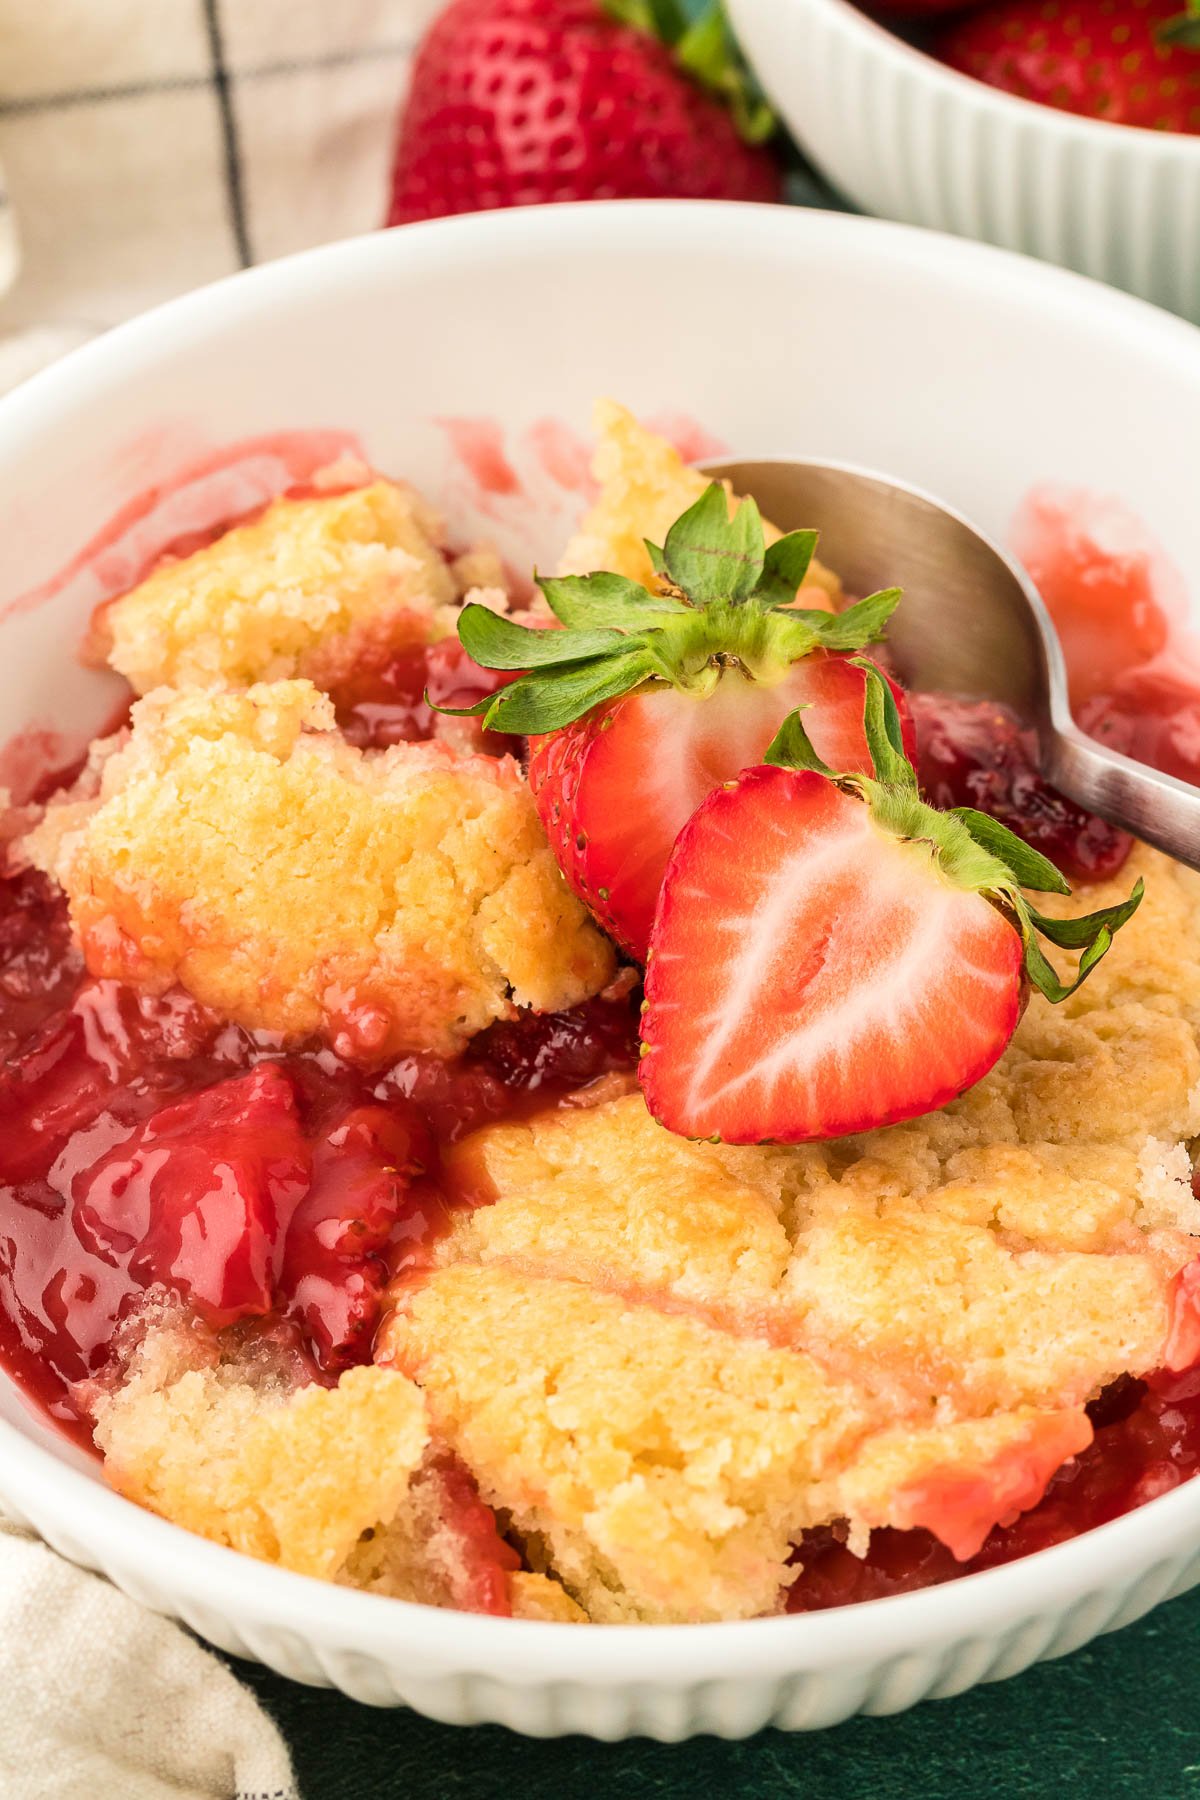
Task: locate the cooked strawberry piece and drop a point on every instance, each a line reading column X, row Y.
column 615, row 789
column 1152, row 714
column 548, row 1052
column 388, row 706
column 111, row 1046
column 359, row 1201
column 199, row 1197
column 1102, row 576
column 813, row 976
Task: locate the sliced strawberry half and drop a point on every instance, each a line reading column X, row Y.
column 615, row 789
column 646, row 700
column 831, row 954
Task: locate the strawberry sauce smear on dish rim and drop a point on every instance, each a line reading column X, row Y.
column 112, row 1105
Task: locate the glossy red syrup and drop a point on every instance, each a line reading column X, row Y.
column 389, row 705
column 145, row 1146
column 977, row 753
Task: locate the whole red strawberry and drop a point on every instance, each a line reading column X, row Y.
column 517, row 102
column 1132, row 62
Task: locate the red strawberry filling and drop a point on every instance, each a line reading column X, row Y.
column 977, row 753
column 200, row 1196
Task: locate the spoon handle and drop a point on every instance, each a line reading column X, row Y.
column 1157, row 808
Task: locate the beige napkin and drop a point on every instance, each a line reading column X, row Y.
column 105, row 1701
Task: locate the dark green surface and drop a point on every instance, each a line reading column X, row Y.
column 1121, row 1717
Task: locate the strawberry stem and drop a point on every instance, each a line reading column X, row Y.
column 971, row 849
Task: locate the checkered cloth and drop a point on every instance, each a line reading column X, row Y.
column 148, row 146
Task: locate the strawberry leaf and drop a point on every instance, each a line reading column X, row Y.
column 1031, row 868
column 1038, row 967
column 1183, row 30
column 663, row 19
column 708, row 52
column 784, row 567
column 530, row 707
column 584, row 602
column 792, row 748
column 883, row 731
column 1073, row 934
column 712, row 557
column 718, row 615
column 658, row 561
column 860, row 624
column 499, row 643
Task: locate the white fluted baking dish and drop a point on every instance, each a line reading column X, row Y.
column 960, row 368
column 906, row 138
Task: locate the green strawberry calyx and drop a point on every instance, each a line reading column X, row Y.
column 704, row 48
column 971, row 849
column 1183, row 30
column 725, row 601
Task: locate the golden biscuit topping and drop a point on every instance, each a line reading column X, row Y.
column 391, row 902
column 315, row 587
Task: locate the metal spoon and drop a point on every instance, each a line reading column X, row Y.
column 971, row 623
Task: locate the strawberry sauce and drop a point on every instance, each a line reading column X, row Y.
column 146, row 1145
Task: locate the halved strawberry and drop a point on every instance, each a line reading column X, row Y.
column 646, row 701
column 831, row 954
column 615, row 789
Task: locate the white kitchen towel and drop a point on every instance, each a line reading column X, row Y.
column 148, row 146
column 106, row 1701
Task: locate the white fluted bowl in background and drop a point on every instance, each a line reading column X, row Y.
column 906, row 138
column 959, row 368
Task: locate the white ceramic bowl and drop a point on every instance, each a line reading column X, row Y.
column 908, row 139
column 965, row 370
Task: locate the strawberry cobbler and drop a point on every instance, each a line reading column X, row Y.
column 612, row 1111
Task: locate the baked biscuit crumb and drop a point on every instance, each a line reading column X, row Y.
column 644, row 487
column 391, row 901
column 539, row 1597
column 317, row 587
column 290, row 1476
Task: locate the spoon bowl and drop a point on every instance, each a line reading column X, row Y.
column 971, row 623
